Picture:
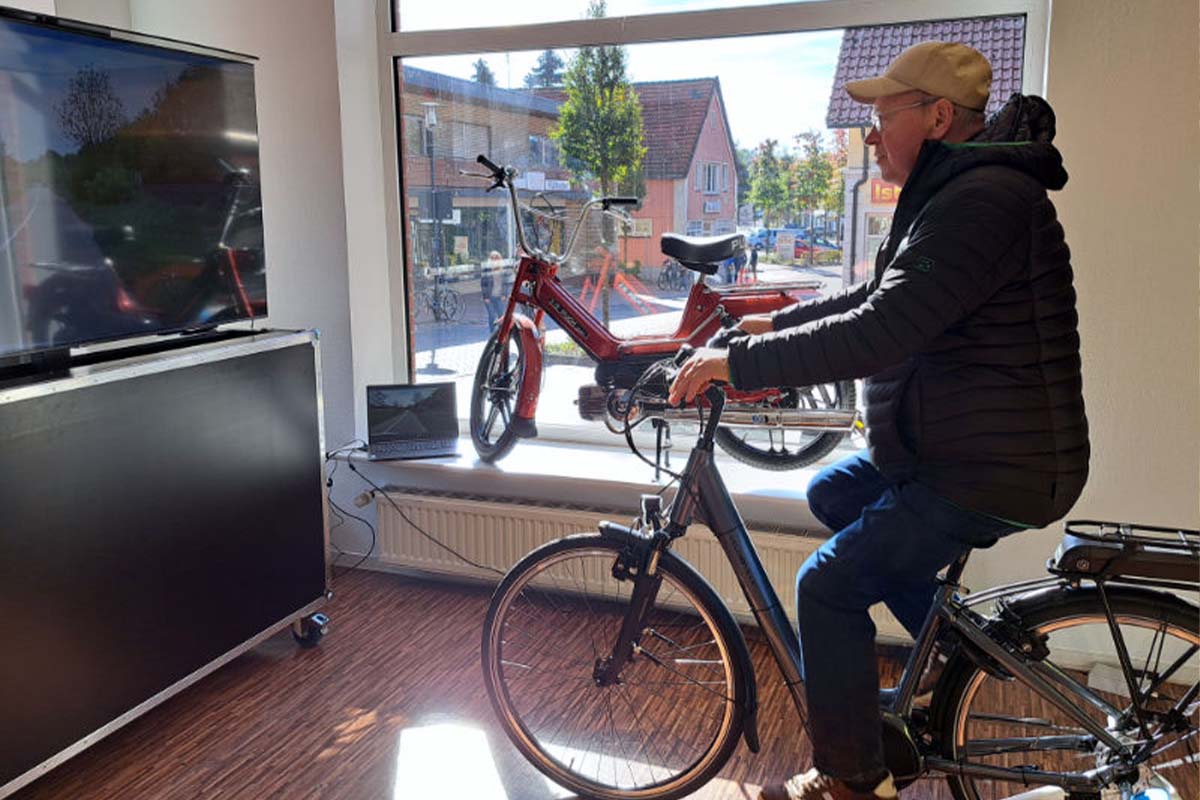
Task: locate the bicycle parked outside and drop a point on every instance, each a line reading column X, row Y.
column 439, row 301
column 618, row 672
column 673, row 277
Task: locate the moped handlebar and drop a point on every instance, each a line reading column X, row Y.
column 502, row 177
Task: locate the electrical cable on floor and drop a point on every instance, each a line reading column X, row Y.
column 342, row 514
column 377, row 490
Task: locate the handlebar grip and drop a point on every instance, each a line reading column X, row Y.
column 482, row 159
column 621, row 201
column 685, row 352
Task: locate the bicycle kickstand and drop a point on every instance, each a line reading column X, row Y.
column 662, row 452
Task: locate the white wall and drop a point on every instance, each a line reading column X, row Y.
column 376, row 320
column 1123, row 77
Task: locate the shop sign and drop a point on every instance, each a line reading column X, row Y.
column 641, row 229
column 785, row 245
column 884, row 193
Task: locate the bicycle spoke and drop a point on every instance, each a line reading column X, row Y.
column 488, row 425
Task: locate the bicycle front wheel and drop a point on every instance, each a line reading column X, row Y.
column 670, row 721
column 999, row 722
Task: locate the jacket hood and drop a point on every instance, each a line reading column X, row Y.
column 1019, row 136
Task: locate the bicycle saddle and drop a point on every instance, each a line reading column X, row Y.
column 703, row 254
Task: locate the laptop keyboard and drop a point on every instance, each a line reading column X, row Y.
column 413, row 448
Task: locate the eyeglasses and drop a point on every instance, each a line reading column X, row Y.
column 878, row 117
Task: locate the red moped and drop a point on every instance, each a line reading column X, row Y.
column 756, row 425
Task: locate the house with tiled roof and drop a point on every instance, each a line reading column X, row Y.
column 866, row 52
column 689, row 169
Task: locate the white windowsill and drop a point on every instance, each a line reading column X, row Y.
column 598, row 476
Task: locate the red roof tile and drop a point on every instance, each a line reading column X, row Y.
column 867, row 51
column 673, row 114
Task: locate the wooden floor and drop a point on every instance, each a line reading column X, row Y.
column 390, row 705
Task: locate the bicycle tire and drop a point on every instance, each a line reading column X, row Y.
column 690, row 682
column 966, row 692
column 451, row 304
column 813, row 448
column 494, row 395
column 422, row 305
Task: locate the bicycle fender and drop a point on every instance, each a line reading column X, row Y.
column 531, row 382
column 1064, row 594
column 747, row 698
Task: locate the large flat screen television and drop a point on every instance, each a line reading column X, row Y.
column 129, row 193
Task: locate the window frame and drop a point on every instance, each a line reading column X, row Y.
column 795, row 17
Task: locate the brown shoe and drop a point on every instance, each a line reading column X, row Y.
column 815, row 785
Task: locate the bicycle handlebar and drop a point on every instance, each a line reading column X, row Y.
column 503, row 177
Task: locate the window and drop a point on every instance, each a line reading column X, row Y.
column 707, row 108
column 543, row 151
column 469, row 140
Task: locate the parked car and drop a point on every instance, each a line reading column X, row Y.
column 762, row 238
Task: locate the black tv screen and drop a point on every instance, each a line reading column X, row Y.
column 129, row 193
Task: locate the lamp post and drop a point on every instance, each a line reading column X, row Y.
column 435, row 250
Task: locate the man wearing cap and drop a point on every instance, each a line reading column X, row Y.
column 967, row 337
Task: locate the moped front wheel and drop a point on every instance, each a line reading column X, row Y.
column 494, row 396
column 782, row 449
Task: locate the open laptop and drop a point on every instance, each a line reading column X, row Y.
column 411, row 421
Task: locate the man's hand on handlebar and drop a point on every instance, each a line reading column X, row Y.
column 706, row 366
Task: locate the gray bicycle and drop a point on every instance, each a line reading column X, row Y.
column 619, row 673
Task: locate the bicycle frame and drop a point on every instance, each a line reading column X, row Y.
column 703, row 494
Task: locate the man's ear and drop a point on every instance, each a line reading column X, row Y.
column 943, row 118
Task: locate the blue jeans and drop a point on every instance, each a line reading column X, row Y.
column 890, row 541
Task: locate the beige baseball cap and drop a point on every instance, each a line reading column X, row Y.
column 954, row 71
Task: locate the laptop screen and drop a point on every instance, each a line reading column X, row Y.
column 408, row 413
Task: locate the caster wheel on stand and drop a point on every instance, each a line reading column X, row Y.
column 310, row 630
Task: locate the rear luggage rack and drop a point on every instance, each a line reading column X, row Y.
column 1129, row 553
column 1133, row 535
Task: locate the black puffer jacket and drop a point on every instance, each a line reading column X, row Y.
column 967, row 330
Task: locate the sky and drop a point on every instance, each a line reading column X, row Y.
column 774, row 86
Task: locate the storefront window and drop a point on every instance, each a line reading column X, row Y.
column 714, row 149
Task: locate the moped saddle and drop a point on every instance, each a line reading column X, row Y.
column 703, row 254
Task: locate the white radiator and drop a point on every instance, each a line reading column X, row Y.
column 498, row 534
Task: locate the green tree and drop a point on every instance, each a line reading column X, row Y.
column 548, row 71
column 768, row 186
column 834, row 201
column 742, row 157
column 483, row 73
column 600, row 124
column 810, row 176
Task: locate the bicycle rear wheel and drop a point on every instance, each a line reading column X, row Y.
column 668, row 724
column 988, row 720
